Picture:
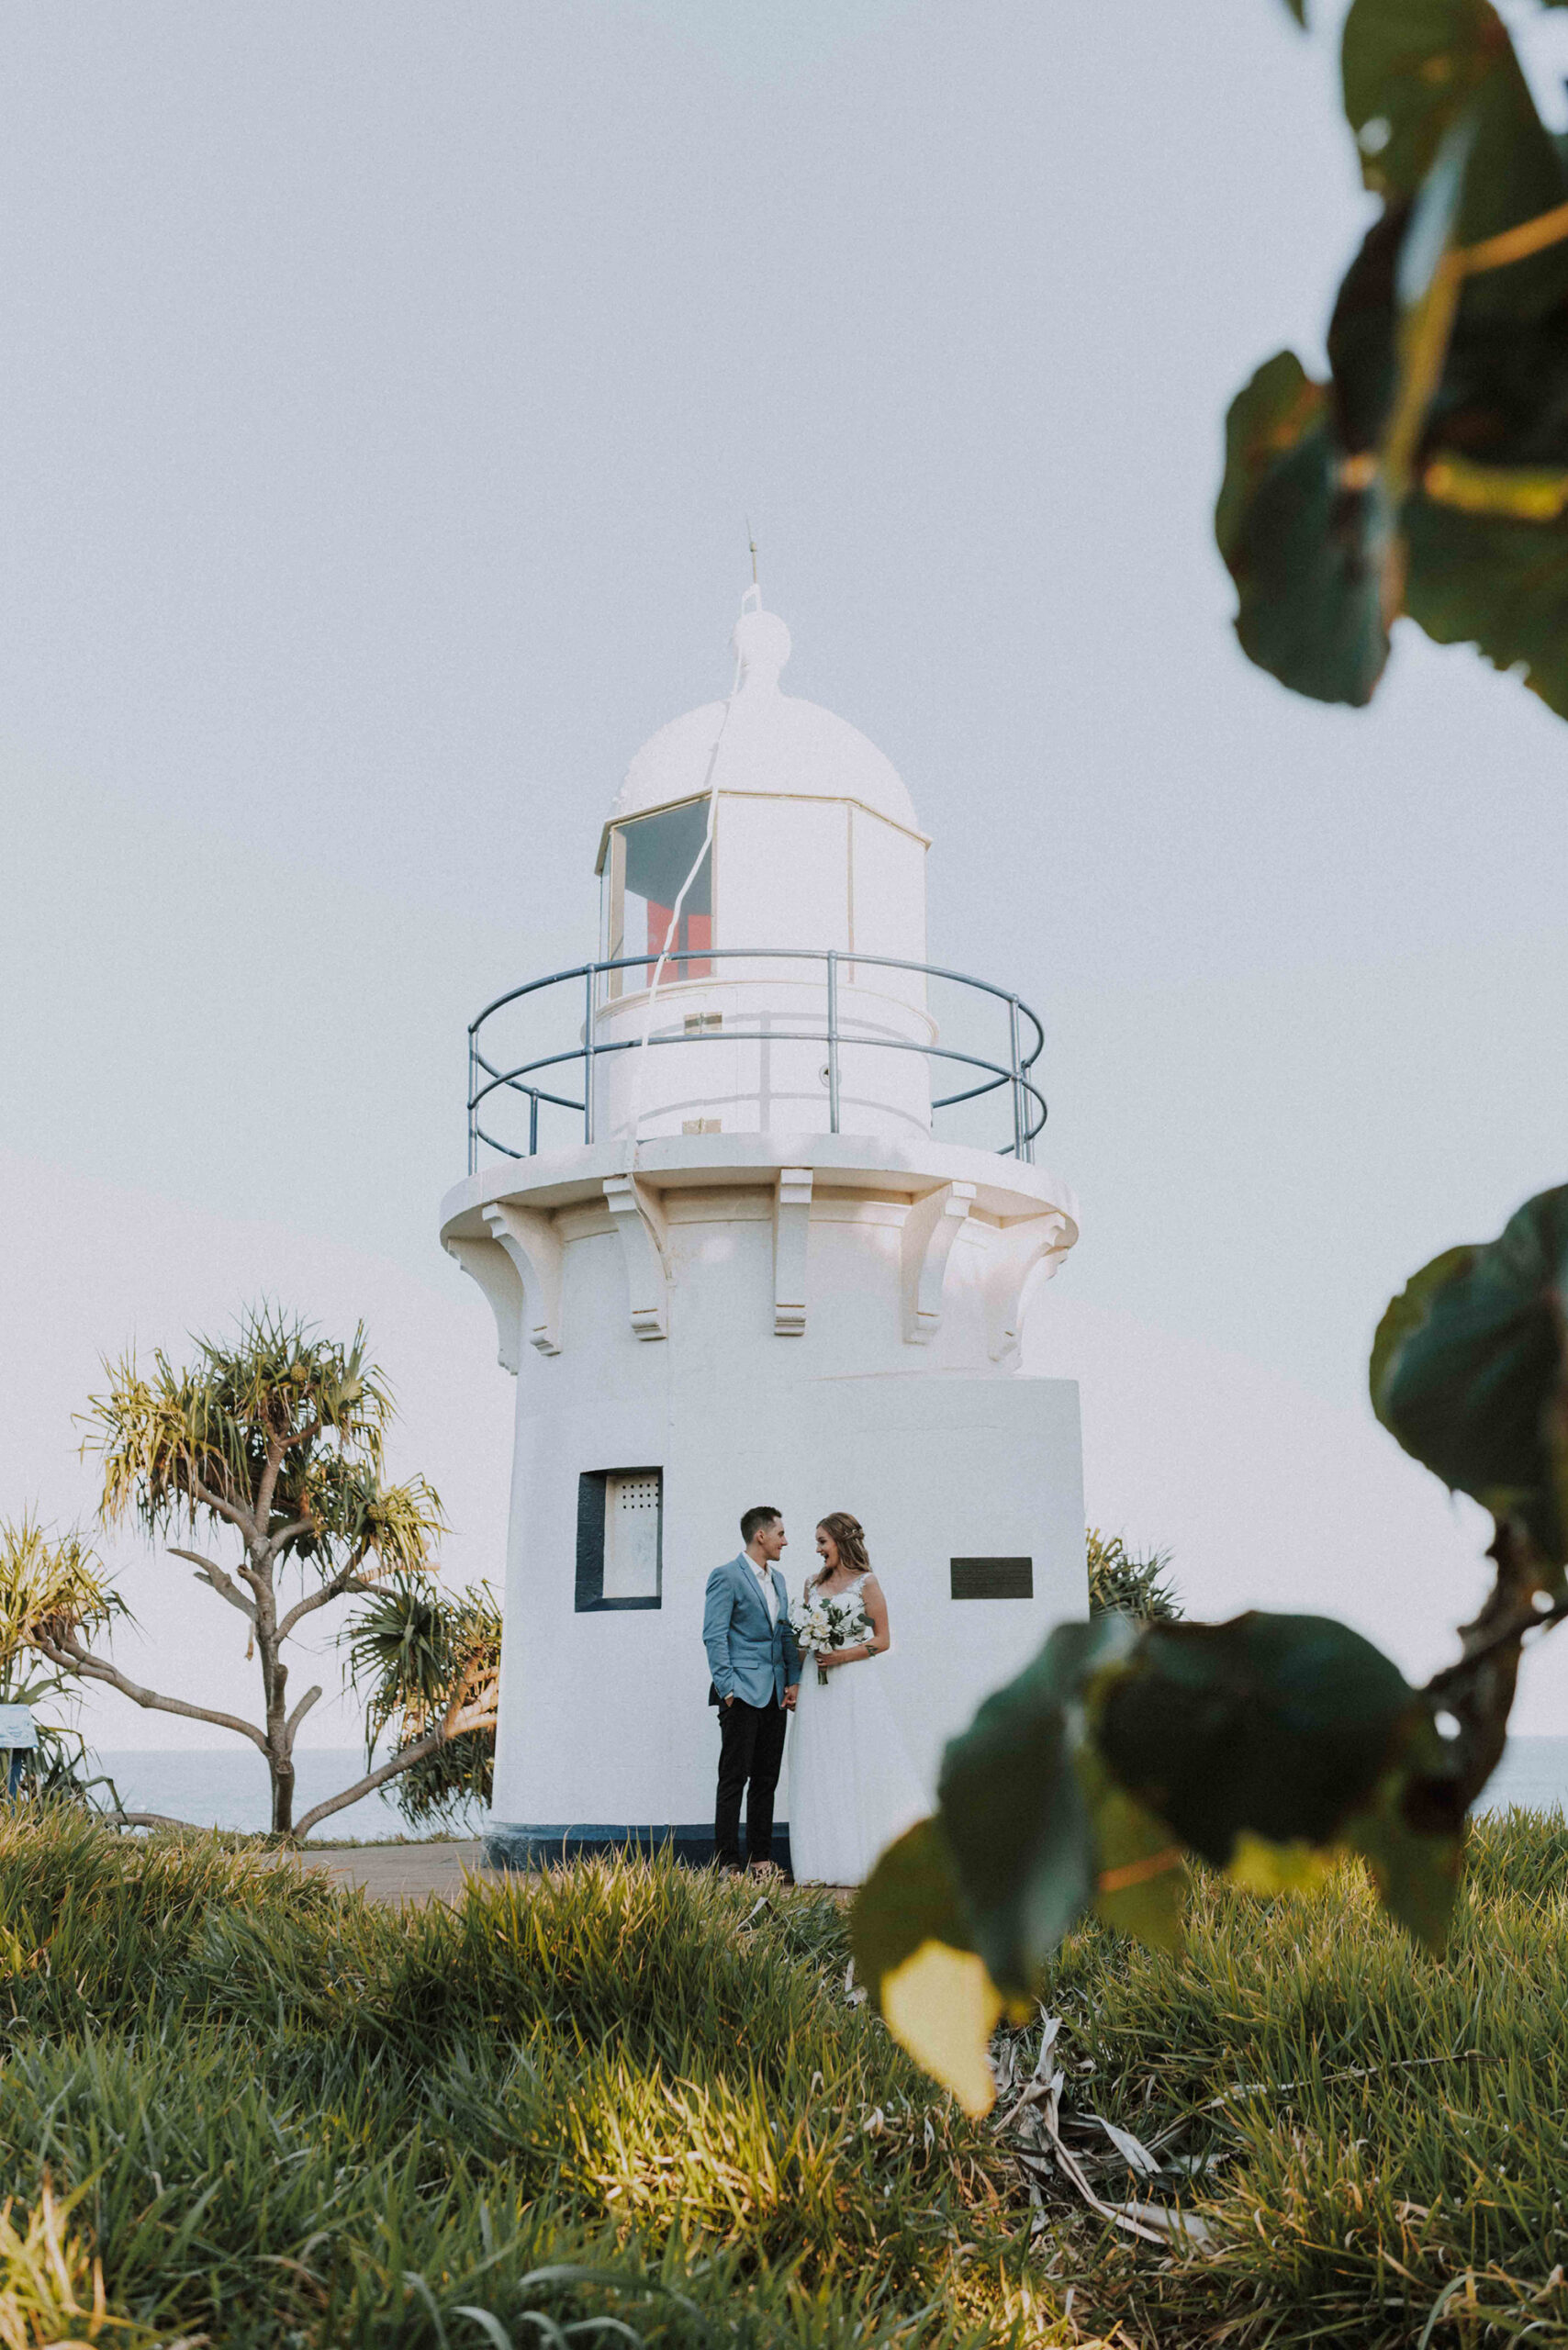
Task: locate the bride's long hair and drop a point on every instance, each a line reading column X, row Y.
column 849, row 1535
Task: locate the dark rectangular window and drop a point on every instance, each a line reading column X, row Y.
column 993, row 1578
column 621, row 1516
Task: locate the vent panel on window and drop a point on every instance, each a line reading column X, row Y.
column 620, row 1538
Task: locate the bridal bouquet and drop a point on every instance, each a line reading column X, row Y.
column 820, row 1623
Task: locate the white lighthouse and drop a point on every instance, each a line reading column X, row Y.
column 753, row 1196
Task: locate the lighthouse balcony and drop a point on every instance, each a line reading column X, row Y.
column 768, row 1040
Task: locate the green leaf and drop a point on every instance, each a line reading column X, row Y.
column 1272, row 1727
column 1298, row 10
column 914, row 1954
column 1411, row 1836
column 1409, row 1312
column 1494, row 582
column 1470, row 1371
column 1141, row 1884
column 1411, row 68
column 911, row 1897
column 1306, row 553
column 1014, row 1810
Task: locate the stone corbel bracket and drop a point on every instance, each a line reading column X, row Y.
column 1023, row 1255
column 930, row 1229
column 532, row 1248
column 792, row 1227
column 492, row 1268
column 639, row 1219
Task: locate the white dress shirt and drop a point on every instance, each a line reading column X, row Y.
column 769, row 1595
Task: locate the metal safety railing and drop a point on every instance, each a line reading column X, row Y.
column 485, row 1080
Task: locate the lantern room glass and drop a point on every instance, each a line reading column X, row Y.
column 649, row 859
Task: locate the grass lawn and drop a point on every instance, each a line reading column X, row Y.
column 635, row 2102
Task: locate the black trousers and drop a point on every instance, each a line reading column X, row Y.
column 751, row 1749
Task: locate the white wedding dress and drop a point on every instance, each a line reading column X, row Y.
column 852, row 1785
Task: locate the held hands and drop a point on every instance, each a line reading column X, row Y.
column 790, row 1694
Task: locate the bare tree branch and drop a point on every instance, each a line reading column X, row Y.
column 458, row 1722
column 286, row 1533
column 72, row 1658
column 299, row 1716
column 345, row 1584
column 208, row 1571
column 221, row 1507
column 278, row 1447
column 1478, row 1689
column 277, row 1450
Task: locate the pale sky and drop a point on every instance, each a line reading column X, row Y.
column 384, row 391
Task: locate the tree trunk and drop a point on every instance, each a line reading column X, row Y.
column 275, row 1681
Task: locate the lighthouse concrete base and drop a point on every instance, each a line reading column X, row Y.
column 510, row 1847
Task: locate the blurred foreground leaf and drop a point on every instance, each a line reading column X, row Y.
column 1429, row 476
column 1016, row 1814
column 914, row 1951
column 1470, row 1373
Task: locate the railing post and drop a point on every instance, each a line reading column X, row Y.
column 1021, row 1148
column 588, row 1058
column 532, row 1123
column 473, row 1137
column 833, row 1040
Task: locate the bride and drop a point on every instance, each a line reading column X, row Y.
column 852, row 1785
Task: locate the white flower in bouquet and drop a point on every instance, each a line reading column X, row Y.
column 819, row 1624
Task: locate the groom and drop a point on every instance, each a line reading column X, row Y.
column 756, row 1670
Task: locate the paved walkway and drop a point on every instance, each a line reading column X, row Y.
column 394, row 1873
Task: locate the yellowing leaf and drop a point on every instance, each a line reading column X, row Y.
column 1262, row 1867
column 1523, row 493
column 943, row 2006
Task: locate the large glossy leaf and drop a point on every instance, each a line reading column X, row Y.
column 1411, row 69
column 1495, row 582
column 914, row 1953
column 1141, row 1885
column 911, row 1897
column 1271, row 1728
column 1306, row 553
column 1015, row 1812
column 1411, row 1836
column 1470, row 1371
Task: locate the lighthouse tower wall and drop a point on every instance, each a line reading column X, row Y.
column 758, row 1278
column 813, row 1355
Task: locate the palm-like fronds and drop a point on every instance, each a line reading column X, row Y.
column 280, row 1432
column 1138, row 1587
column 275, row 1438
column 426, row 1661
column 49, row 1587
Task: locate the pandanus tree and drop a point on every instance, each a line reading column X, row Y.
column 270, row 1449
column 1427, row 478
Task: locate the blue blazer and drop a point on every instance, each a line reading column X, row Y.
column 747, row 1656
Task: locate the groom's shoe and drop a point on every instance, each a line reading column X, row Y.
column 767, row 1869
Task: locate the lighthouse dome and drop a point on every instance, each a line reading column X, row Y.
column 767, row 741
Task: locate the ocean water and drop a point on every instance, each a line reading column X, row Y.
column 227, row 1787
column 1533, row 1773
